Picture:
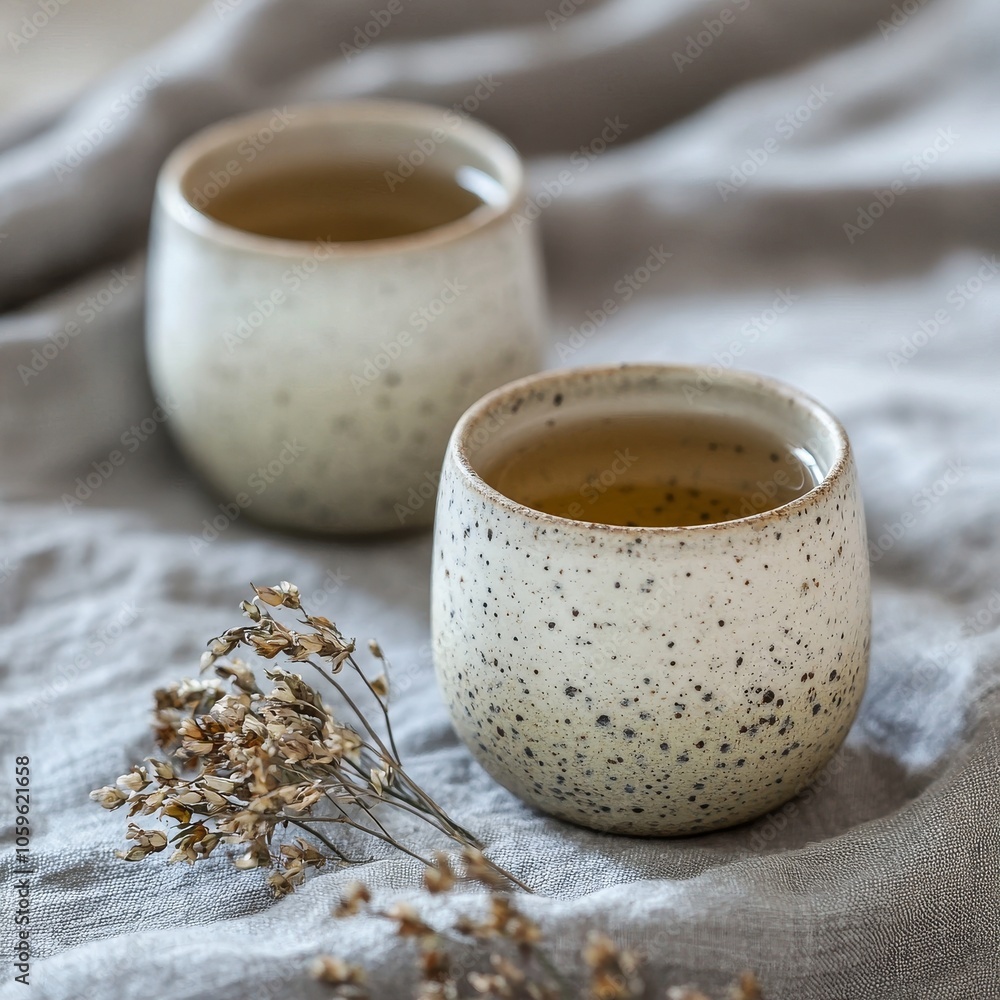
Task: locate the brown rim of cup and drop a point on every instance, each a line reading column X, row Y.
column 489, row 405
column 172, row 196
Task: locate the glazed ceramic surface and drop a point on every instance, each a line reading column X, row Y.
column 314, row 384
column 651, row 681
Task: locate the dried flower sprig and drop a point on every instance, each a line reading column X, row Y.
column 517, row 967
column 245, row 764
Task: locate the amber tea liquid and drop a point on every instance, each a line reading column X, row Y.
column 653, row 470
column 350, row 202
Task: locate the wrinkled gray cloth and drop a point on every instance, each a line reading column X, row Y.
column 827, row 179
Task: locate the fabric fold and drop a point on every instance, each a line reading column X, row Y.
column 820, row 183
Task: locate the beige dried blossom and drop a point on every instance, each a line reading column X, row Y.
column 379, row 777
column 503, row 922
column 434, row 989
column 347, row 979
column 285, row 882
column 480, row 869
column 284, row 595
column 146, row 842
column 613, row 972
column 505, row 967
column 490, row 984
column 135, row 781
column 747, row 988
column 240, row 674
column 250, row 610
column 109, row 797
column 440, row 878
column 164, row 771
column 509, row 980
column 269, row 646
column 408, row 922
column 356, row 895
column 435, row 966
column 257, row 856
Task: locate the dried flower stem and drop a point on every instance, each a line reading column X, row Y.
column 246, row 763
column 436, row 816
column 511, row 947
column 323, row 840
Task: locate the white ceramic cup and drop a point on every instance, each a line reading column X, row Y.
column 316, row 384
column 645, row 680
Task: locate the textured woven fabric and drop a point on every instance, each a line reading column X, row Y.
column 826, row 178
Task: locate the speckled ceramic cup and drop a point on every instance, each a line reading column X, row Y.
column 316, row 384
column 652, row 681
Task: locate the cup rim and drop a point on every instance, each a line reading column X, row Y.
column 228, row 132
column 459, row 449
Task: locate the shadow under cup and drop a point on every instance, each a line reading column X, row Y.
column 650, row 680
column 313, row 383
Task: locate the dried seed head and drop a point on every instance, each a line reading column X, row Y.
column 747, row 989
column 356, row 895
column 492, row 984
column 613, row 971
column 109, row 797
column 599, row 950
column 135, row 781
column 509, row 922
column 379, row 780
column 440, row 878
column 433, row 989
column 336, row 972
column 302, row 854
column 269, row 646
column 284, row 595
column 408, row 922
column 435, row 965
column 282, row 883
column 164, row 770
column 132, row 854
column 225, row 786
column 146, row 842
column 250, row 610
column 240, row 674
column 503, row 966
column 479, row 869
